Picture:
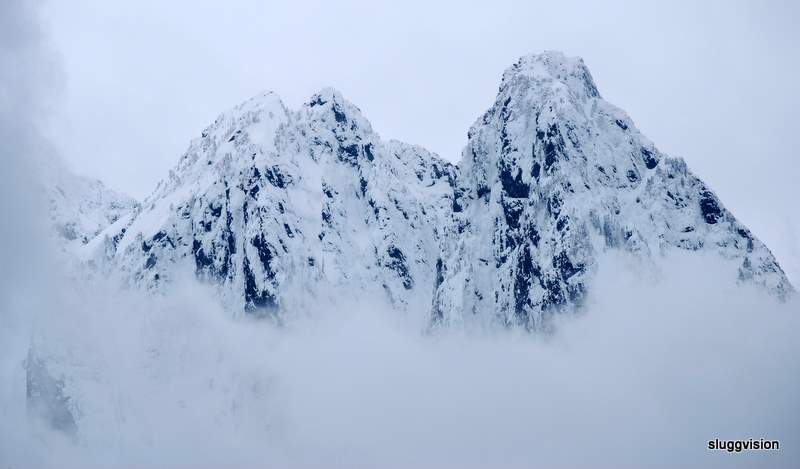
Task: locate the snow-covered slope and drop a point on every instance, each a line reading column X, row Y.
column 79, row 208
column 288, row 210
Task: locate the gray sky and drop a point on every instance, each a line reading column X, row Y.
column 714, row 83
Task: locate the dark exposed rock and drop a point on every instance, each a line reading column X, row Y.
column 709, row 207
column 650, row 160
column 397, row 262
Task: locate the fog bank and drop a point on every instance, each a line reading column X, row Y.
column 658, row 364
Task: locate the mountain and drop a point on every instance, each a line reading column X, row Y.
column 287, row 210
column 552, row 175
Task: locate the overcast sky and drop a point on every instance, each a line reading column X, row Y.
column 714, row 83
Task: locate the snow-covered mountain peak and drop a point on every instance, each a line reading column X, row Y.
column 337, row 128
column 550, row 71
column 330, row 109
column 543, row 87
column 244, row 132
column 551, row 177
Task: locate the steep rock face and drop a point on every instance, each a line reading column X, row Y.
column 289, row 210
column 286, row 209
column 553, row 175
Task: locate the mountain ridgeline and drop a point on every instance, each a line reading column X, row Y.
column 287, row 210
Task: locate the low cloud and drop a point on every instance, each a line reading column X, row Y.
column 659, row 363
